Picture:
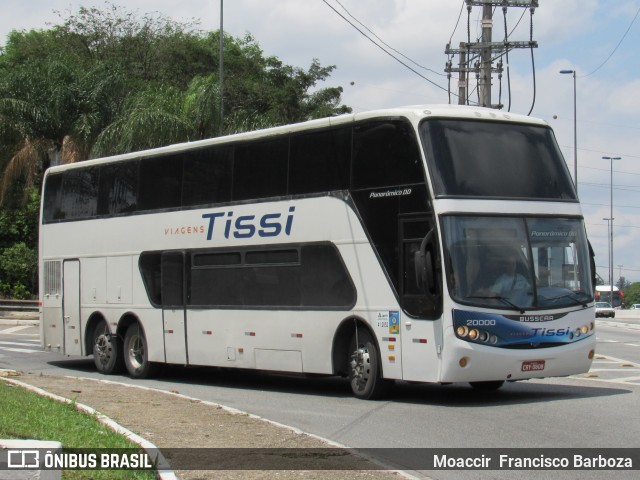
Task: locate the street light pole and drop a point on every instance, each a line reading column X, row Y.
column 609, row 252
column 611, row 159
column 575, row 128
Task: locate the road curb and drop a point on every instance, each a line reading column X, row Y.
column 168, row 474
column 164, row 471
column 235, row 411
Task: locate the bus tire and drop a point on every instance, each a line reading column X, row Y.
column 365, row 372
column 107, row 350
column 136, row 353
column 487, row 386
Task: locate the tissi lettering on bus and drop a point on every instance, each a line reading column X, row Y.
column 246, row 226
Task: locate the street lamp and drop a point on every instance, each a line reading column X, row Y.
column 575, row 128
column 609, row 253
column 611, row 159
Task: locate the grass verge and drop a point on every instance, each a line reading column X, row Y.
column 27, row 415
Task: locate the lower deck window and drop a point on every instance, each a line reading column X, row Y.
column 299, row 276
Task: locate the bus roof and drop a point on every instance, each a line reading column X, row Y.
column 413, row 112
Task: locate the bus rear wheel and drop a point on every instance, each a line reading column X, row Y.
column 107, row 350
column 365, row 372
column 136, row 353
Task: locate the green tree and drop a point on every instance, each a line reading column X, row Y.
column 18, row 271
column 106, row 80
column 52, row 113
column 18, row 248
column 632, row 294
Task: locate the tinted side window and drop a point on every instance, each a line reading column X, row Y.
column 79, row 194
column 260, row 170
column 325, row 280
column 320, row 161
column 172, row 280
column 149, row 265
column 160, row 182
column 207, row 176
column 309, row 276
column 118, row 188
column 52, row 198
column 385, row 154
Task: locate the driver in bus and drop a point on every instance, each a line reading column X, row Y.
column 509, row 280
column 502, row 279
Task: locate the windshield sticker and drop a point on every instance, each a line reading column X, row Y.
column 553, row 234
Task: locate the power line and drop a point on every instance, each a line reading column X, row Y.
column 606, row 205
column 382, row 48
column 616, row 47
column 457, row 21
column 385, row 43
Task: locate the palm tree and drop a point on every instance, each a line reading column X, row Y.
column 149, row 118
column 50, row 114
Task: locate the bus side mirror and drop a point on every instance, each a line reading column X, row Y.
column 425, row 267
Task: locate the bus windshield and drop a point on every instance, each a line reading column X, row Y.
column 517, row 263
column 470, row 158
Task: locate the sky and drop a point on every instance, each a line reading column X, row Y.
column 596, row 38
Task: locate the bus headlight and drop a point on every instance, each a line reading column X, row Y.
column 462, row 331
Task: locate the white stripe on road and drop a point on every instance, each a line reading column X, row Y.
column 17, row 328
column 19, row 344
column 21, row 350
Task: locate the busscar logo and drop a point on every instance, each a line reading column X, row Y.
column 536, row 318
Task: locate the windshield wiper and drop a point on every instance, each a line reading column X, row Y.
column 571, row 295
column 504, row 300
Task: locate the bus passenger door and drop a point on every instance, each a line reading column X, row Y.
column 173, row 308
column 71, row 307
column 421, row 333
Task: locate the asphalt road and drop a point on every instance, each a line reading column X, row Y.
column 596, row 410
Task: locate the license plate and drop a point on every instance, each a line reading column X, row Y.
column 533, row 366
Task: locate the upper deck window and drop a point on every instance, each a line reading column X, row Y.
column 470, row 158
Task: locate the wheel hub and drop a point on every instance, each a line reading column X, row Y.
column 103, row 348
column 360, row 366
column 136, row 352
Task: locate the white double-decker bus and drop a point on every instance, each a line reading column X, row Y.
column 430, row 244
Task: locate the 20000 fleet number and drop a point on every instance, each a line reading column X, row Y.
column 480, row 323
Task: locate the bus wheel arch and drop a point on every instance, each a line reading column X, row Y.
column 356, row 355
column 135, row 347
column 105, row 346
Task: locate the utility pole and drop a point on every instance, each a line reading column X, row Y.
column 486, row 50
column 484, row 83
column 221, row 68
column 463, row 82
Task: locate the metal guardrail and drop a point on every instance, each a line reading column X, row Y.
column 18, row 306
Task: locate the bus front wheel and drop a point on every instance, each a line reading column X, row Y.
column 136, row 353
column 365, row 372
column 107, row 350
